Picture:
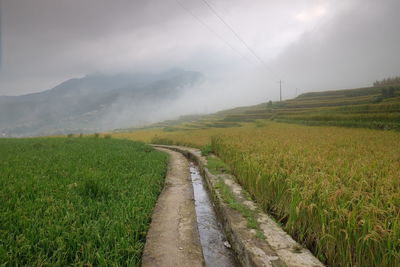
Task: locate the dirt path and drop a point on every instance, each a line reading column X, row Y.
column 173, row 238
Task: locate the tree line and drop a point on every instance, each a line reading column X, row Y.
column 388, row 81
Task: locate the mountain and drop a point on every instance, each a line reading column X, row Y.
column 93, row 103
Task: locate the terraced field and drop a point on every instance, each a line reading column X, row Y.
column 335, row 189
column 76, row 201
column 371, row 107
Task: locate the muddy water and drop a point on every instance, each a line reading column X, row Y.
column 212, row 237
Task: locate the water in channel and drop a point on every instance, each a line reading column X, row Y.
column 212, row 237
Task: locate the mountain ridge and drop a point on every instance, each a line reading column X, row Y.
column 81, row 104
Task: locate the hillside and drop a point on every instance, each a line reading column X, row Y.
column 333, row 189
column 92, row 103
column 371, row 107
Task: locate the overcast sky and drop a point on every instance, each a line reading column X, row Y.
column 310, row 44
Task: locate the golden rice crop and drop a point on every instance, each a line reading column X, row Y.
column 337, row 190
column 194, row 138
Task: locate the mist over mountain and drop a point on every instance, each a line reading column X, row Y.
column 95, row 102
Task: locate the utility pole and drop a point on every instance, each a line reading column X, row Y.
column 280, row 90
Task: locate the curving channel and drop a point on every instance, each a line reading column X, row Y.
column 212, row 237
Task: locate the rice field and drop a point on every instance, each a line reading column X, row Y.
column 193, row 138
column 76, row 201
column 336, row 190
column 353, row 108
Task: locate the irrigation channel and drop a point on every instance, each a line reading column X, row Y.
column 212, row 238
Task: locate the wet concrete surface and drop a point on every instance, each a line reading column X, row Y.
column 173, row 237
column 212, row 237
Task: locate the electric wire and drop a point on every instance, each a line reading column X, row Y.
column 238, row 37
column 258, row 58
column 210, row 29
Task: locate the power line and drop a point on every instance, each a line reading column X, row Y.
column 208, row 28
column 224, row 41
column 238, row 36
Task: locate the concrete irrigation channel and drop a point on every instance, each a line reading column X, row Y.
column 192, row 225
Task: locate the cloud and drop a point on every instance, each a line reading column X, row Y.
column 353, row 49
column 310, row 44
column 312, row 14
column 47, row 41
column 54, row 40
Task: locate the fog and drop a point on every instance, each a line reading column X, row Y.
column 353, row 49
column 202, row 98
column 312, row 45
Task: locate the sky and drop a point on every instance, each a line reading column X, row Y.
column 312, row 45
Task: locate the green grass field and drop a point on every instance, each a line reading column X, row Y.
column 76, row 201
